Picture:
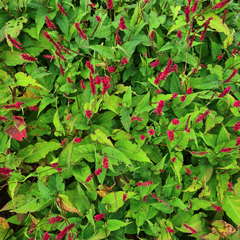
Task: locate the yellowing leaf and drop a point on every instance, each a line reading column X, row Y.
column 104, row 190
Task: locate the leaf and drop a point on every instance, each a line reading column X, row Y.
column 45, row 191
column 101, row 138
column 130, row 47
column 115, row 200
column 223, row 136
column 113, row 224
column 127, row 98
column 175, row 10
column 62, row 22
column 114, row 154
column 178, row 23
column 40, row 19
column 215, row 23
column 223, row 179
column 58, row 125
column 12, row 58
column 231, row 205
column 24, row 80
column 33, row 153
column 104, row 51
column 131, row 151
column 223, row 227
column 15, row 132
column 143, row 105
column 229, row 40
column 162, row 207
column 154, row 20
column 66, row 155
column 65, row 205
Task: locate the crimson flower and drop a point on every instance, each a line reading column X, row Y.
column 105, row 163
column 99, row 217
column 82, row 84
column 124, row 197
column 5, row 171
column 189, row 90
column 77, row 140
column 179, row 34
column 88, row 113
column 98, row 19
column 122, row 24
column 89, row 178
column 142, row 137
column 221, row 4
column 144, row 198
column 236, row 127
column 92, row 5
column 49, row 23
column 195, row 178
column 175, row 121
column 3, row 118
column 170, row 230
column 29, row 58
column 109, row 4
column 46, row 236
column 188, row 171
column 160, row 170
column 154, row 64
column 195, row 5
column 170, row 135
column 14, row 42
column 187, row 11
column 183, row 98
column 238, row 141
column 236, row 104
column 174, row 96
column 63, row 141
column 55, row 219
column 151, row 132
column 225, row 92
column 226, row 149
column 61, row 9
column 61, row 69
column 217, row 208
column 229, row 185
column 173, row 160
column 98, row 171
column 178, row 187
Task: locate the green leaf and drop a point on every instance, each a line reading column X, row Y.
column 33, row 153
column 162, row 207
column 175, row 10
column 143, row 105
column 101, row 137
column 131, row 150
column 58, row 125
column 231, row 205
column 45, row 102
column 130, row 47
column 127, row 98
column 223, row 136
column 40, row 18
column 113, row 224
column 12, row 58
column 115, row 200
column 154, row 20
column 65, row 157
column 178, row 23
column 103, row 50
column 116, row 155
column 45, row 191
column 62, row 22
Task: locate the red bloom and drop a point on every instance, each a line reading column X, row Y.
column 69, row 80
column 151, row 132
column 188, row 171
column 195, row 178
column 175, row 121
column 225, row 92
column 178, row 187
column 3, row 118
column 106, row 84
column 224, row 16
column 111, row 69
column 105, row 163
column 63, row 141
column 90, row 66
column 231, row 76
column 170, row 230
column 64, row 231
column 14, row 42
column 92, row 5
column 188, row 130
column 229, row 185
column 217, row 208
column 120, row 104
column 16, row 105
column 179, row 34
column 142, row 137
column 144, row 184
column 194, row 7
column 49, row 23
column 55, row 219
column 124, row 197
column 202, row 116
column 82, row 84
column 221, row 4
column 29, row 58
column 226, row 149
column 236, row 127
column 238, row 141
column 97, row 80
column 152, row 34
column 189, row 228
column 80, row 32
column 205, row 24
column 89, row 178
column 144, row 55
column 236, row 104
column 61, row 69
column 158, row 91
column 109, row 4
column 173, row 160
column 160, row 170
column 118, row 40
column 98, row 19
column 5, row 171
column 61, row 9
column 189, row 90
column 46, row 236
column 160, row 107
column 183, row 98
column 88, row 113
column 51, row 57
column 92, row 85
column 98, row 171
column 144, row 198
column 154, row 64
column 123, row 61
column 170, row 135
column 99, row 217
column 77, row 140
column 19, row 119
column 122, row 24
column 187, row 11
column 174, row 96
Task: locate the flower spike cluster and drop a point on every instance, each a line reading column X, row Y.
column 80, row 32
column 221, row 4
column 160, row 107
column 14, row 42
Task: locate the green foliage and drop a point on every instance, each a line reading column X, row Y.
column 119, row 121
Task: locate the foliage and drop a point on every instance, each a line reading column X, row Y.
column 119, row 119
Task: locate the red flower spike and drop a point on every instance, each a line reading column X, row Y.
column 170, row 230
column 152, row 34
column 82, row 84
column 187, row 12
column 123, row 61
column 69, row 80
column 174, row 96
column 236, row 104
column 189, row 90
column 142, row 137
column 183, row 98
column 195, row 178
column 53, row 220
column 118, row 40
column 13, row 131
column 14, row 42
column 231, row 76
column 88, row 113
column 170, row 135
column 105, row 163
column 111, row 69
column 65, row 231
column 89, row 178
column 155, row 64
column 160, row 170
column 173, row 160
column 61, row 9
column 217, row 208
column 202, row 116
column 151, row 132
column 122, row 24
column 90, row 67
column 49, row 23
column 92, row 85
column 92, row 5
column 3, row 118
column 226, row 149
column 99, row 217
column 188, row 171
column 77, row 140
column 63, row 141
column 238, row 141
column 178, row 187
column 5, row 171
column 144, row 198
column 188, row 130
column 98, row 171
column 124, row 197
column 195, row 6
column 221, row 4
column 80, row 32
column 110, row 4
column 205, row 24
column 236, row 127
column 29, row 58
column 225, row 92
column 175, row 121
column 179, row 34
column 61, row 69
column 229, row 185
column 106, row 84
column 160, row 107
column 98, row 19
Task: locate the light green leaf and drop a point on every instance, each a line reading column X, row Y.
column 65, row 157
column 175, row 10
column 103, row 50
column 58, row 125
column 40, row 18
column 62, row 22
column 101, row 137
column 114, row 224
column 45, row 191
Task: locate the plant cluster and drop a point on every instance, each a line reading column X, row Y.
column 119, row 119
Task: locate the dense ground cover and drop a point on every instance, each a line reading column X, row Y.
column 119, row 119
